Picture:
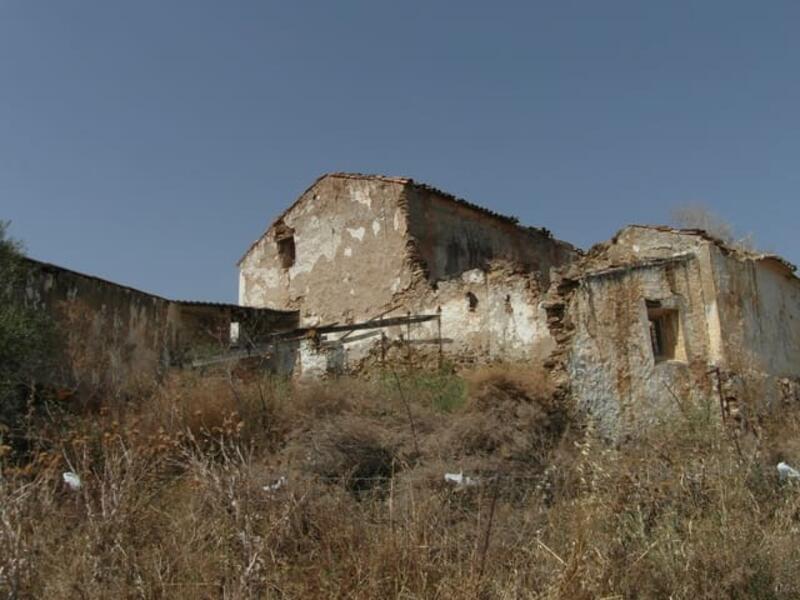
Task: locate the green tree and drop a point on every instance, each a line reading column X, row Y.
column 26, row 340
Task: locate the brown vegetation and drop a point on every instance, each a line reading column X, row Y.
column 697, row 216
column 184, row 496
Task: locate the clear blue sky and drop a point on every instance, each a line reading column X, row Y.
column 150, row 142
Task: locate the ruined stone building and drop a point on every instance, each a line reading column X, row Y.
column 360, row 269
column 355, row 247
column 658, row 317
column 638, row 325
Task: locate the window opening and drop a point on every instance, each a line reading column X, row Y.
column 472, row 301
column 665, row 332
column 286, row 251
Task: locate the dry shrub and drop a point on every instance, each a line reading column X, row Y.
column 207, row 406
column 321, row 399
column 690, row 509
column 511, row 417
column 351, row 451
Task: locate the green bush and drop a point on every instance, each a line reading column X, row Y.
column 26, row 340
column 442, row 391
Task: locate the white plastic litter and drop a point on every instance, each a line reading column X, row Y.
column 786, row 472
column 72, row 480
column 460, row 480
column 274, row 487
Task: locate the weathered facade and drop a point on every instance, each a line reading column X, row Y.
column 660, row 316
column 362, row 269
column 114, row 332
column 356, row 247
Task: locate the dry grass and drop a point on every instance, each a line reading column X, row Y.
column 174, row 503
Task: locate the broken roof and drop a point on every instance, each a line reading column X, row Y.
column 727, row 248
column 597, row 252
column 408, row 181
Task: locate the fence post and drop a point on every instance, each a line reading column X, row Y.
column 383, row 350
column 408, row 339
column 439, row 336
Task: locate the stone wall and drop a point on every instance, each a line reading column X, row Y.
column 113, row 333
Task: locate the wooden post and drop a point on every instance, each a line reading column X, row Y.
column 408, row 339
column 383, row 350
column 439, row 335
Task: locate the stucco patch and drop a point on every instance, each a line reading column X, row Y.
column 362, row 197
column 476, row 276
column 357, row 233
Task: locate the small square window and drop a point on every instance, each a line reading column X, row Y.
column 666, row 338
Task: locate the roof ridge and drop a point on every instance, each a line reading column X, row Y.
column 401, row 181
column 429, row 188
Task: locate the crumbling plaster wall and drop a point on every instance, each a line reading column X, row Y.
column 643, row 243
column 752, row 300
column 739, row 315
column 488, row 314
column 759, row 303
column 350, row 253
column 366, row 245
column 484, row 315
column 611, row 365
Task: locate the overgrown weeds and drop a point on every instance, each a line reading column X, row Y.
column 208, row 487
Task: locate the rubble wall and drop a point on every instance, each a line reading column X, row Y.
column 739, row 316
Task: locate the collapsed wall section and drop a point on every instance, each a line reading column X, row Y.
column 481, row 316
